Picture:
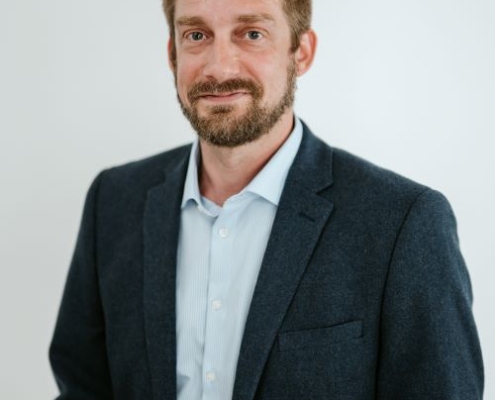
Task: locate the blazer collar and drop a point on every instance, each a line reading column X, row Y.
column 312, row 167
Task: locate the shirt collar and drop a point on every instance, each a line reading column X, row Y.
column 268, row 183
column 191, row 186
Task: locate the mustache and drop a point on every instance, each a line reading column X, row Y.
column 214, row 88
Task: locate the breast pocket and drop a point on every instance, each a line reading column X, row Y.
column 323, row 361
column 313, row 338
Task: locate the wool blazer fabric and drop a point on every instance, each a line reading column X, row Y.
column 363, row 293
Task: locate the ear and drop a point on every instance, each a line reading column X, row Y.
column 172, row 54
column 305, row 54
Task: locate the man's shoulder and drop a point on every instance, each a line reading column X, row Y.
column 367, row 188
column 360, row 172
column 152, row 168
column 157, row 162
column 356, row 176
column 368, row 192
column 135, row 178
column 377, row 189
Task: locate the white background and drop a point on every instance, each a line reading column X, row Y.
column 407, row 84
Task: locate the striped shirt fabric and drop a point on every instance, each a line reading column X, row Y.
column 219, row 256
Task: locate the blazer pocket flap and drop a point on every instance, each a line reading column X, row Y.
column 320, row 337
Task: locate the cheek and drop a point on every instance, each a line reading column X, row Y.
column 184, row 79
column 275, row 82
column 271, row 70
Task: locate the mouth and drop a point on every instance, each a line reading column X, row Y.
column 223, row 93
column 222, row 97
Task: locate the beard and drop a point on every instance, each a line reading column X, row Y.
column 221, row 127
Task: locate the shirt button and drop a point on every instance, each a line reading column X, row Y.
column 223, row 232
column 216, row 304
column 210, row 376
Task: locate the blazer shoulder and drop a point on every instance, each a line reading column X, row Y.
column 149, row 171
column 132, row 181
column 150, row 166
column 354, row 175
column 351, row 177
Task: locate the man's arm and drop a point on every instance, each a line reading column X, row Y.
column 429, row 345
column 78, row 351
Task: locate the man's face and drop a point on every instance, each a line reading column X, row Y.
column 235, row 75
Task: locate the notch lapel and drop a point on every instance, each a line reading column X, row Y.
column 160, row 231
column 301, row 217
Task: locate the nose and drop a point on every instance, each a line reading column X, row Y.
column 222, row 61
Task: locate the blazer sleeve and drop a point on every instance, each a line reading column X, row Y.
column 78, row 352
column 429, row 344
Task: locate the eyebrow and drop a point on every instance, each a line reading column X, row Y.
column 245, row 18
column 190, row 21
column 252, row 18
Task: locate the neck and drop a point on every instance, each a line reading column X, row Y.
column 224, row 172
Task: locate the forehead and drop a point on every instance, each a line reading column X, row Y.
column 217, row 10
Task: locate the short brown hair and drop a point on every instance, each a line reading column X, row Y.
column 298, row 14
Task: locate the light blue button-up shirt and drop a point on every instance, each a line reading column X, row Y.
column 219, row 258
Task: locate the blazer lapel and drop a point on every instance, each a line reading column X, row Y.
column 160, row 231
column 300, row 218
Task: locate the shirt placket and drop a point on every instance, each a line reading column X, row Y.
column 215, row 332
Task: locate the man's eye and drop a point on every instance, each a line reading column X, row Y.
column 254, row 35
column 196, row 36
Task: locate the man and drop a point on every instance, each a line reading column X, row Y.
column 261, row 263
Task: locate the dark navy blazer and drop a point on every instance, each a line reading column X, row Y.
column 362, row 293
